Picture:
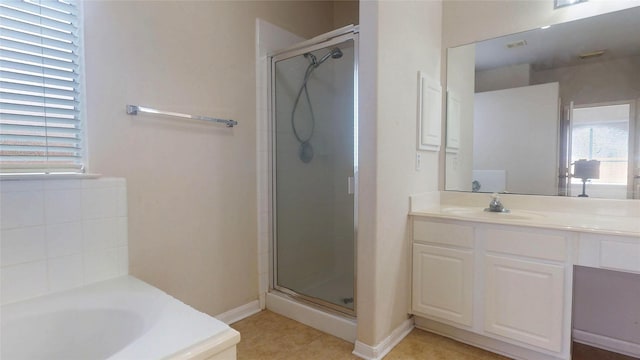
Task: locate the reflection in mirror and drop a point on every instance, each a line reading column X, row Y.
column 522, row 109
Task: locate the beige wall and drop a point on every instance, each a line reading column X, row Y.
column 191, row 186
column 367, row 201
column 613, row 80
column 345, row 12
column 505, row 77
column 397, row 39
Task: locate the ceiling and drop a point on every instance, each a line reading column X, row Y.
column 618, row 33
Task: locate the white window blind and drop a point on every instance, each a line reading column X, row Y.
column 40, row 124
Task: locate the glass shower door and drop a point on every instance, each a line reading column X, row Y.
column 314, row 169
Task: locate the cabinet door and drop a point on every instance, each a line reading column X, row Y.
column 524, row 301
column 443, row 283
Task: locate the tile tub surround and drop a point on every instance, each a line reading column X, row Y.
column 58, row 234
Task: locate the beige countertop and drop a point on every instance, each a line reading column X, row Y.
column 580, row 222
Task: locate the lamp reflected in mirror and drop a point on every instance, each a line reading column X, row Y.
column 586, row 169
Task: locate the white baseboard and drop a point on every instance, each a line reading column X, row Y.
column 607, row 343
column 239, row 313
column 379, row 351
column 484, row 342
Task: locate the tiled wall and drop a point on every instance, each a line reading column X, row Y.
column 60, row 234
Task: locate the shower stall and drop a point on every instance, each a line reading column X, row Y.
column 314, row 171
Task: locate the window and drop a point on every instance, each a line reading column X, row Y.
column 40, row 97
column 602, row 133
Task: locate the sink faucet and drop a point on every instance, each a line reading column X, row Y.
column 495, row 205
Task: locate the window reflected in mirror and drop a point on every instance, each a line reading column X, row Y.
column 602, row 133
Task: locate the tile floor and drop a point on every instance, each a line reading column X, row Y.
column 267, row 335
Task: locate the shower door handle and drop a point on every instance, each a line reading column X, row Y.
column 351, row 185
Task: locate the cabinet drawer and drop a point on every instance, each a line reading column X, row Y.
column 530, row 244
column 620, row 255
column 443, row 233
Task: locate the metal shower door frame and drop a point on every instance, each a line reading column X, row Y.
column 323, row 41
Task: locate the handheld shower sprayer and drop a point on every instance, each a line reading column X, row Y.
column 306, row 150
column 335, row 53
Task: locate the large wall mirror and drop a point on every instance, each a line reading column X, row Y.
column 551, row 111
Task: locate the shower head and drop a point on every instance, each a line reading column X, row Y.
column 335, row 53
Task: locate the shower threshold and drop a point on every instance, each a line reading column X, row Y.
column 318, row 317
column 335, row 290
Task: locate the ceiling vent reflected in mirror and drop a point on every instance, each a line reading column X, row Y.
column 563, row 3
column 563, row 44
column 591, row 54
column 516, row 44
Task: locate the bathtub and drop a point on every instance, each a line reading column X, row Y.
column 122, row 318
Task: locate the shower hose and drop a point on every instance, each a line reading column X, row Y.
column 306, row 150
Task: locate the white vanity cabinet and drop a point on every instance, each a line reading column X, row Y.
column 443, row 271
column 524, row 285
column 443, row 282
column 524, row 301
column 502, row 283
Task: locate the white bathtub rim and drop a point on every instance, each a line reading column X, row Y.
column 210, row 347
column 170, row 326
